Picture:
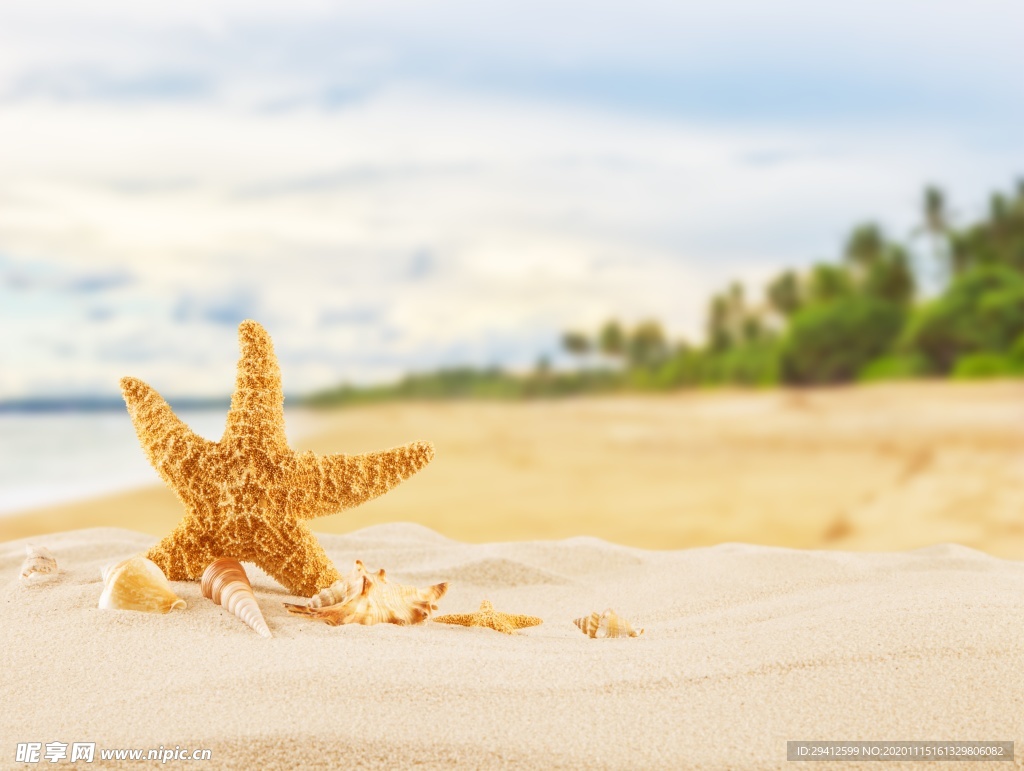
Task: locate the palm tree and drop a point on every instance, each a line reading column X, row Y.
column 576, row 343
column 827, row 282
column 891, row 277
column 784, row 294
column 647, row 345
column 719, row 327
column 936, row 225
column 864, row 247
column 612, row 340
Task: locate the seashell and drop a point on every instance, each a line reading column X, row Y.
column 376, row 602
column 342, row 590
column 606, row 624
column 225, row 582
column 38, row 563
column 137, row 584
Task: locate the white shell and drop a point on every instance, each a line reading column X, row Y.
column 39, row 563
column 342, row 590
column 225, row 583
column 375, row 602
column 137, row 584
column 604, row 625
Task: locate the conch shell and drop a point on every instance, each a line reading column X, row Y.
column 38, row 562
column 606, row 624
column 225, row 582
column 342, row 590
column 375, row 602
column 137, row 584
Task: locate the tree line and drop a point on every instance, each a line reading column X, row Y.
column 858, row 317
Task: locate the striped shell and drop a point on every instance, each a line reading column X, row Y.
column 137, row 584
column 607, row 624
column 225, row 582
column 39, row 563
column 376, row 602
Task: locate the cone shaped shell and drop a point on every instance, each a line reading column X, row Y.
column 606, row 624
column 137, row 584
column 226, row 583
column 38, row 563
column 377, row 602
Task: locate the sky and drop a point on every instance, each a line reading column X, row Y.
column 399, row 186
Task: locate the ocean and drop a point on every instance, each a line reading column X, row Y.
column 48, row 458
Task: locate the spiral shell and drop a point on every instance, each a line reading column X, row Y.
column 137, row 584
column 606, row 624
column 39, row 563
column 376, row 602
column 225, row 582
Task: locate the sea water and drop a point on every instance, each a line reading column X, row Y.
column 48, row 458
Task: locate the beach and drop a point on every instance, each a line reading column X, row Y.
column 887, row 467
column 897, row 618
column 744, row 649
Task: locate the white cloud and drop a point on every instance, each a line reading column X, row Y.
column 425, row 221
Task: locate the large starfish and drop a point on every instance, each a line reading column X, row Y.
column 248, row 495
column 488, row 617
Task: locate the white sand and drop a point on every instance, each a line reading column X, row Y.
column 746, row 647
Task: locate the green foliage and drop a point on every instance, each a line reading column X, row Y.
column 852, row 318
column 828, row 283
column 647, row 346
column 784, row 293
column 831, row 343
column 865, row 246
column 985, row 365
column 999, row 240
column 719, row 329
column 754, row 364
column 890, row 278
column 981, row 312
column 897, row 366
column 612, row 339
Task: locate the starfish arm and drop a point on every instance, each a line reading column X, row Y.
column 182, row 556
column 257, row 405
column 330, row 483
column 463, row 619
column 521, row 622
column 296, row 560
column 171, row 446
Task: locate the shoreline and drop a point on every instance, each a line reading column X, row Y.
column 888, row 467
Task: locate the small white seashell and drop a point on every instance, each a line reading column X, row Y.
column 39, row 563
column 607, row 624
column 137, row 584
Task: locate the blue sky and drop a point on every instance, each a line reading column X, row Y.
column 396, row 186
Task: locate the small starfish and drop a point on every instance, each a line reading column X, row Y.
column 487, row 616
column 247, row 496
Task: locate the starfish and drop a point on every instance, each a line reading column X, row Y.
column 487, row 616
column 249, row 495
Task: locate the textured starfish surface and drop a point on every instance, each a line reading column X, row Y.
column 248, row 495
column 487, row 616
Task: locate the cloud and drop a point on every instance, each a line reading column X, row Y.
column 400, row 186
column 230, row 308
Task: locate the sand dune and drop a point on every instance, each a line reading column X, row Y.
column 860, row 468
column 745, row 647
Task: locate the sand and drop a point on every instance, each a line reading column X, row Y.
column 745, row 647
column 897, row 466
